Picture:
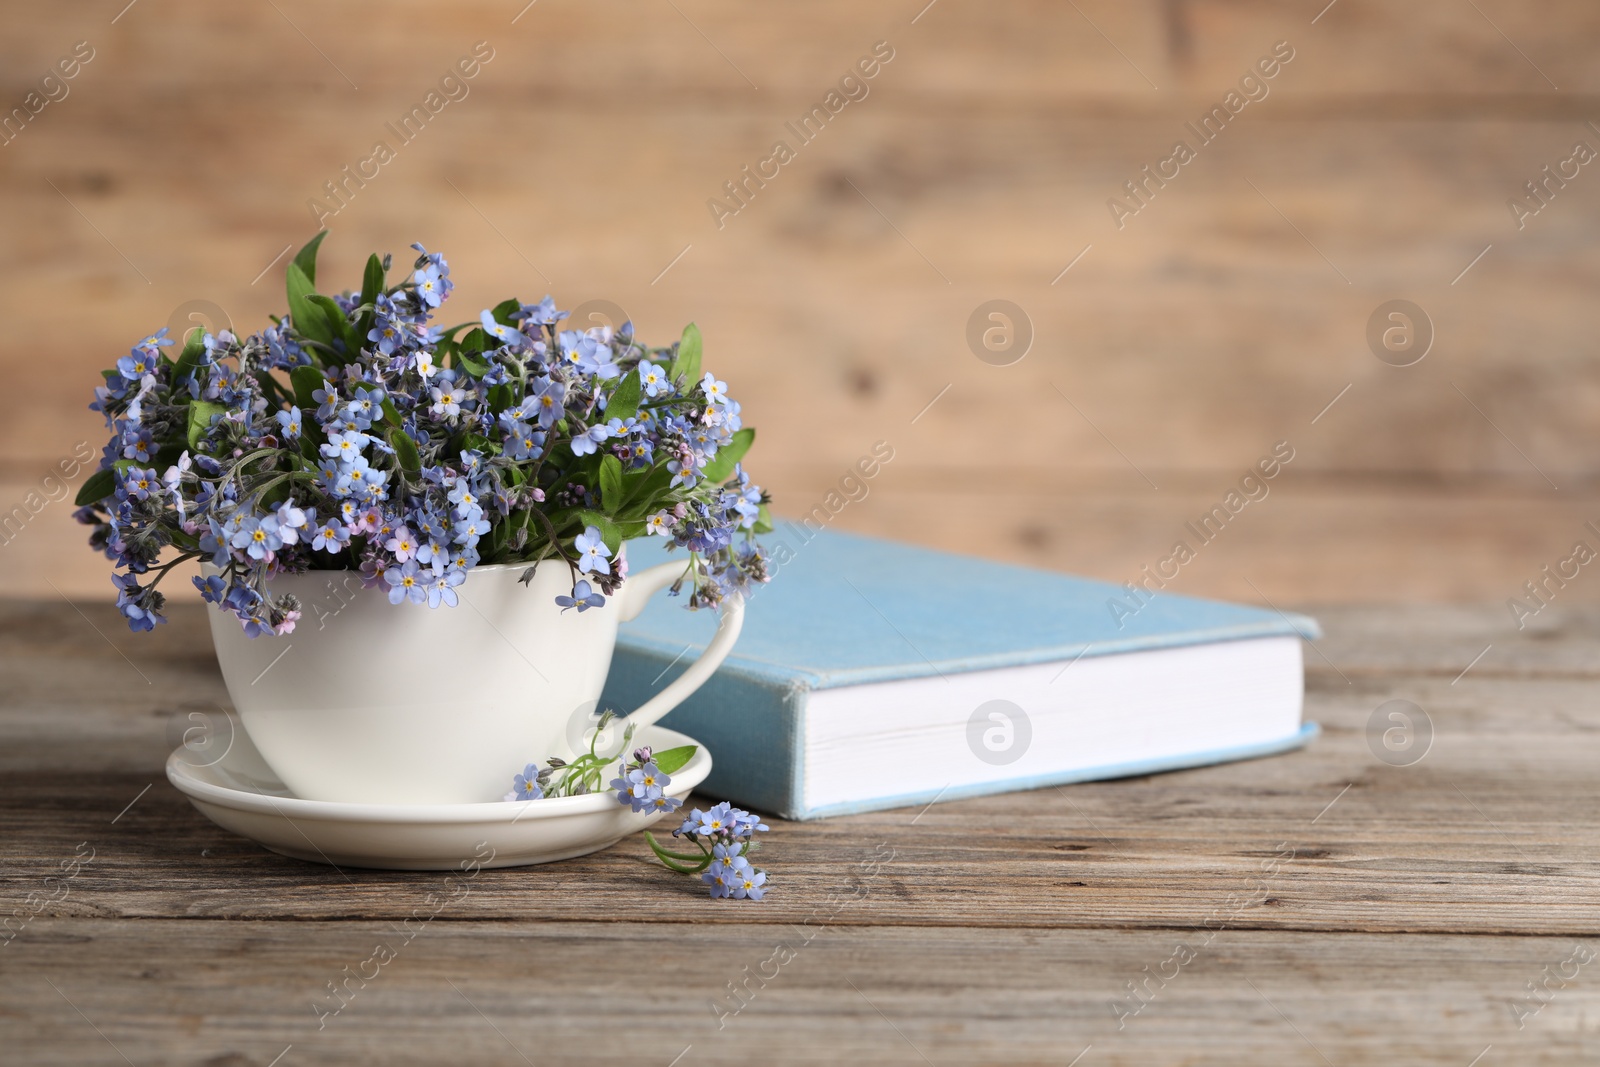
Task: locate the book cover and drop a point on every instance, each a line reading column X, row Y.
column 845, row 610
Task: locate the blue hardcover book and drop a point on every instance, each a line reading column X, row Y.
column 872, row 674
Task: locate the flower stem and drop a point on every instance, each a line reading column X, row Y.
column 162, row 572
column 670, row 859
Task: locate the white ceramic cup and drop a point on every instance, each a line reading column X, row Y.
column 372, row 702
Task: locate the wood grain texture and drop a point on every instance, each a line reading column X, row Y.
column 476, row 991
column 1225, row 316
column 1336, row 905
column 1222, row 318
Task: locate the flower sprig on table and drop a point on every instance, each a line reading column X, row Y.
column 724, row 836
column 354, row 434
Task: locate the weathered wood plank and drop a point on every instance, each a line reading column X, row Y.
column 1491, row 832
column 626, row 992
column 1559, row 640
column 1164, row 852
column 1020, row 53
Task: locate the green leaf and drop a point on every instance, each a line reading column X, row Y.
column 687, row 361
column 633, row 480
column 611, row 482
column 96, row 487
column 338, row 323
column 475, row 340
column 405, row 450
column 470, row 365
column 674, row 760
column 390, row 414
column 624, row 402
column 308, row 317
column 306, row 258
column 201, row 412
column 501, row 397
column 504, row 311
column 189, row 358
column 648, row 494
column 720, row 469
column 306, row 381
column 371, row 287
column 763, row 521
column 371, row 280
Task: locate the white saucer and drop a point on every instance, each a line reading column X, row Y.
column 239, row 792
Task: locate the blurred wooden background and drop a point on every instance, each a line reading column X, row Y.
column 1173, row 354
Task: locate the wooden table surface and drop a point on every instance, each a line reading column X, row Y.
column 1322, row 907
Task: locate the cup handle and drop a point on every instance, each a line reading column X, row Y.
column 639, row 588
